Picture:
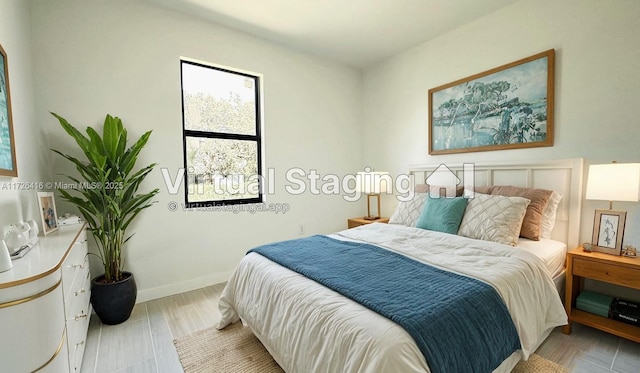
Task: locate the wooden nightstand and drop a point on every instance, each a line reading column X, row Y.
column 356, row 222
column 619, row 270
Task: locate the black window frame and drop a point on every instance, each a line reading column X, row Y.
column 257, row 80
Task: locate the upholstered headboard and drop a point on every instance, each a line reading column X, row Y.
column 563, row 176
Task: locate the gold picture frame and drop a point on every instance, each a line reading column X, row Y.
column 608, row 231
column 507, row 107
column 8, row 164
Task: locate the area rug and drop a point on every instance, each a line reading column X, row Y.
column 236, row 349
column 538, row 364
column 232, row 349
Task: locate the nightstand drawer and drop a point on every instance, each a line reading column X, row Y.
column 353, row 224
column 614, row 274
column 356, row 222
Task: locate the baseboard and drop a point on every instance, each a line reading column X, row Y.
column 181, row 287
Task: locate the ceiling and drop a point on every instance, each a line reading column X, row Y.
column 358, row 33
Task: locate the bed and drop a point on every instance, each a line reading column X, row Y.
column 308, row 326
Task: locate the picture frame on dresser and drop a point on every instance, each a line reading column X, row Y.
column 48, row 213
column 608, row 231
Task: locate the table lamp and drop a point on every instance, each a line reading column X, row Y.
column 373, row 184
column 612, row 182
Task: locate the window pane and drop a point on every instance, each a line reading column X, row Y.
column 218, row 101
column 220, row 169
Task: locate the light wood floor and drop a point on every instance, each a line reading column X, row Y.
column 144, row 343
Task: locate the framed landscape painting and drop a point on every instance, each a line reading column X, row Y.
column 7, row 145
column 507, row 107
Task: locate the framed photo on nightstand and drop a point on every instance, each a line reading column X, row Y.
column 608, row 231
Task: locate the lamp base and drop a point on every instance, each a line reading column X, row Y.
column 369, row 216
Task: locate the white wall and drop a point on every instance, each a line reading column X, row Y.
column 15, row 36
column 597, row 88
column 122, row 57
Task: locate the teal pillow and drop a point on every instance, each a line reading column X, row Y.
column 442, row 214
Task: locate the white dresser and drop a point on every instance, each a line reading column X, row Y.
column 44, row 305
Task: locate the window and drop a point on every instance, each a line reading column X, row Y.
column 222, row 139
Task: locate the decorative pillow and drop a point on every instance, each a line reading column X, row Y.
column 436, row 190
column 408, row 212
column 533, row 218
column 421, row 188
column 469, row 193
column 442, row 214
column 494, row 218
column 549, row 215
column 482, row 189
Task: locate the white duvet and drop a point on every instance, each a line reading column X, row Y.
column 307, row 327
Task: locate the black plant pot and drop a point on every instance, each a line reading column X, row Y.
column 113, row 302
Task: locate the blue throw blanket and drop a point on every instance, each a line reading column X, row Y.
column 459, row 323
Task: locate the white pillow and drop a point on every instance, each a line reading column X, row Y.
column 494, row 218
column 407, row 212
column 549, row 215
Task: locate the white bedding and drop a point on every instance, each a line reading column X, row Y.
column 553, row 253
column 309, row 328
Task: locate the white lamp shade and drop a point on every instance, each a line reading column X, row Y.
column 373, row 182
column 614, row 182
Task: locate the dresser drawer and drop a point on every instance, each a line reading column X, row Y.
column 611, row 273
column 80, row 284
column 31, row 332
column 58, row 363
column 77, row 313
column 72, row 266
column 79, row 353
column 77, row 341
column 78, row 305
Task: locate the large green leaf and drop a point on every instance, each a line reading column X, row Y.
column 131, row 155
column 111, row 136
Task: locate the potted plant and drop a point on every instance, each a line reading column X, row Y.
column 108, row 199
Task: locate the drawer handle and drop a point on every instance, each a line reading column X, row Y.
column 78, row 317
column 79, row 292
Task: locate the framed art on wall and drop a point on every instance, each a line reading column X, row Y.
column 608, row 231
column 48, row 213
column 7, row 144
column 507, row 107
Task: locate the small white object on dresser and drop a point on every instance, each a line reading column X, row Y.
column 44, row 305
